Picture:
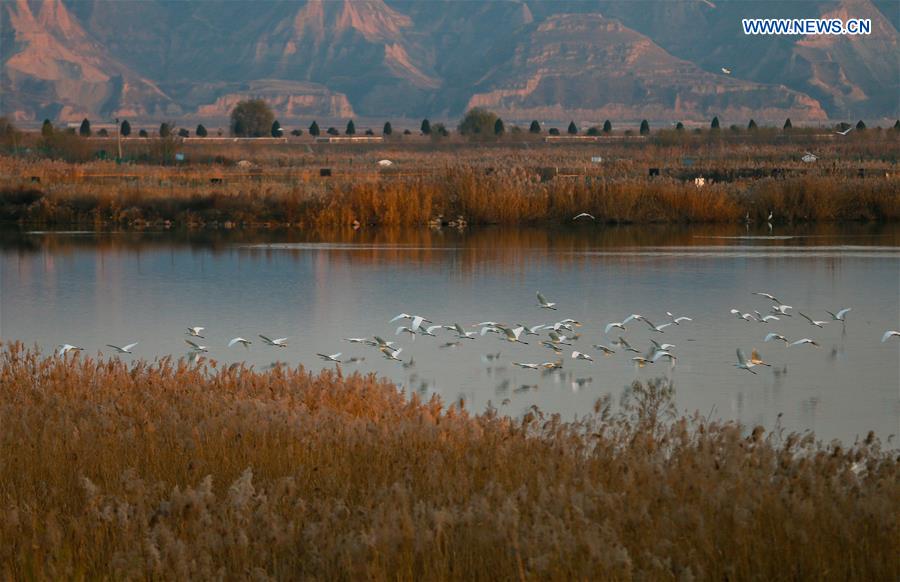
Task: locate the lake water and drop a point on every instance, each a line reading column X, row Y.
column 92, row 289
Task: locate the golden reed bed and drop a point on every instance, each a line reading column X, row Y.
column 510, row 198
column 168, row 471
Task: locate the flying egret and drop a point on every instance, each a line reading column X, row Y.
column 811, row 320
column 743, row 363
column 542, row 302
column 607, row 351
column 840, row 315
column 527, row 366
column 765, row 318
column 756, row 360
column 558, row 339
column 513, row 335
column 584, row 215
column 429, row 331
column 381, row 344
column 661, row 347
column 405, row 329
column 627, row 347
column 361, row 340
column 552, row 365
column 768, row 296
column 276, row 343
column 411, row 318
column 657, row 328
column 124, row 349
column 739, row 315
column 460, row 332
column 576, row 355
column 570, row 322
column 391, row 354
column 782, row 310
column 663, row 354
column 803, row 341
column 640, row 361
column 64, row 349
column 726, row 70
column 776, row 336
column 531, row 330
column 677, row 320
column 239, row 340
column 331, row 358
column 196, row 347
column 551, row 346
column 618, row 324
column 845, row 132
column 195, row 331
column 889, row 334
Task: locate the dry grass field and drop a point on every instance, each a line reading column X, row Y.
column 166, row 470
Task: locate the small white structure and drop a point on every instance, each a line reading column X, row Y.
column 700, row 182
column 385, row 163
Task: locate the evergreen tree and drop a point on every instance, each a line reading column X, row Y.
column 314, row 129
column 607, row 126
column 164, row 130
column 645, row 127
column 276, row 129
column 787, row 124
column 498, row 127
column 125, row 128
column 85, row 129
column 351, row 128
column 46, row 128
column 897, row 125
column 535, row 127
column 860, row 125
column 387, row 130
column 715, row 123
column 425, row 128
column 752, row 125
column 679, row 126
column 201, row 131
column 573, row 129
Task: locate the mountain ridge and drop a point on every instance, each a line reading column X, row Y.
column 67, row 59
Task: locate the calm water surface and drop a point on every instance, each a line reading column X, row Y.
column 92, row 289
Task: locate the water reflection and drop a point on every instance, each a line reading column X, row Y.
column 317, row 288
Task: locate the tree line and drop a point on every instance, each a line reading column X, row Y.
column 255, row 118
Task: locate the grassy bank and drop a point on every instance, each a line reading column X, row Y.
column 169, row 471
column 513, row 197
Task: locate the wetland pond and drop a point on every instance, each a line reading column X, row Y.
column 96, row 288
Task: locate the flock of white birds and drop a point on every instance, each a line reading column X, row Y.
column 557, row 337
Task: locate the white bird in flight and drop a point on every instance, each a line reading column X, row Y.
column 527, row 366
column 64, row 349
column 889, row 334
column 726, row 70
column 840, row 315
column 277, row 343
column 405, row 329
column 576, row 355
column 845, row 132
column 811, row 320
column 126, row 349
column 776, row 336
column 460, row 332
column 677, row 320
column 391, row 354
column 768, row 296
column 331, row 358
column 803, row 341
column 782, row 310
column 584, row 215
column 195, row 347
column 513, row 335
column 239, row 340
column 195, row 331
column 607, row 351
column 743, row 363
column 542, row 301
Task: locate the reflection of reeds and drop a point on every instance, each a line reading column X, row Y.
column 505, row 198
column 166, row 470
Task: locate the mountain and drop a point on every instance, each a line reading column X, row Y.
column 588, row 66
column 656, row 59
